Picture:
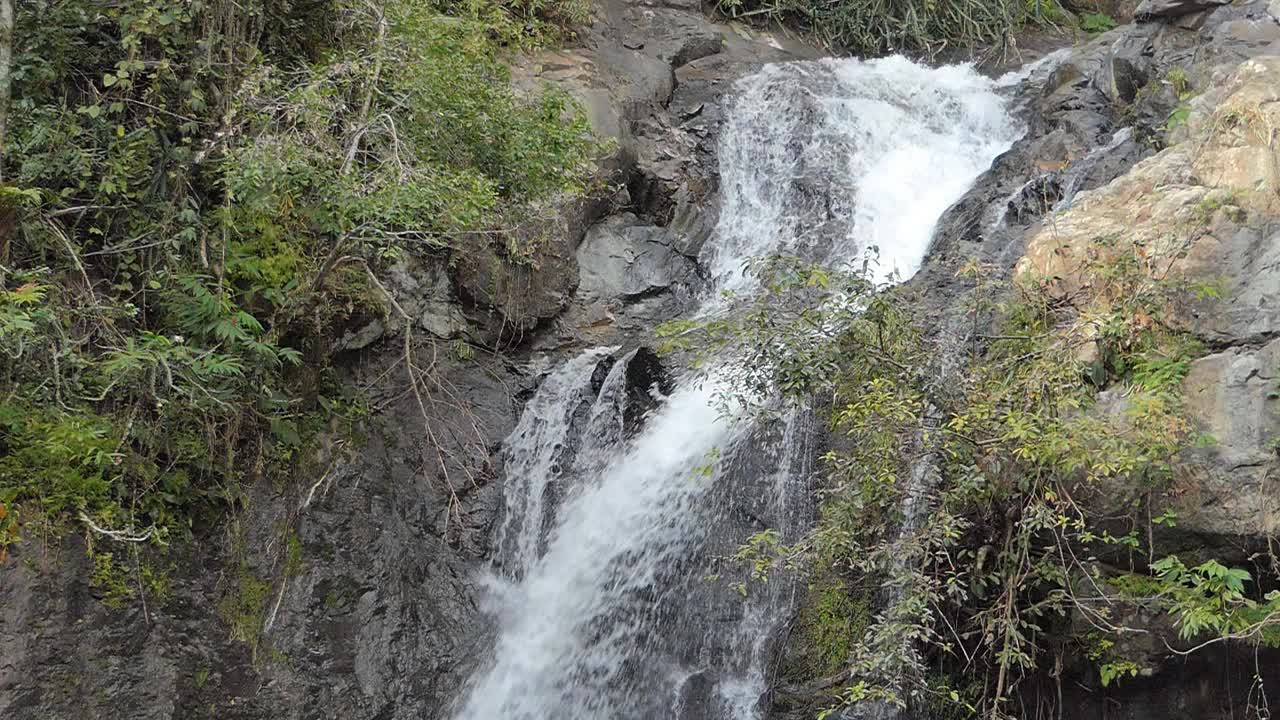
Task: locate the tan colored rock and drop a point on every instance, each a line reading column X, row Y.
column 1204, row 209
column 1230, row 485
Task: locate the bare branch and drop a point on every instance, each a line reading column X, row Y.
column 130, row 535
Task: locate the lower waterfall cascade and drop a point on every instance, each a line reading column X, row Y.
column 600, row 606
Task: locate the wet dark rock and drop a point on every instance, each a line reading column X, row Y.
column 368, row 563
column 1102, row 166
column 423, row 289
column 1201, row 686
column 1122, row 77
column 1155, row 9
column 697, row 695
column 504, row 298
column 691, row 225
column 647, row 380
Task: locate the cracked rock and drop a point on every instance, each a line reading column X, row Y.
column 623, row 258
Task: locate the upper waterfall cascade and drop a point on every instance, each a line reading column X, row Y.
column 598, row 613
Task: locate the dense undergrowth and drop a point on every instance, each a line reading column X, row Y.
column 197, row 195
column 991, row 502
column 912, row 26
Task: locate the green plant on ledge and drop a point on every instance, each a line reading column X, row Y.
column 1094, row 23
column 199, row 195
column 1031, row 475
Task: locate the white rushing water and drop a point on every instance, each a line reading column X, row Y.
column 596, row 616
column 535, row 455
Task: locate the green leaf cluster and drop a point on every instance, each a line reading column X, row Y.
column 885, row 26
column 985, row 500
column 198, row 195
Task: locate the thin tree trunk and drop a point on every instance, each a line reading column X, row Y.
column 6, row 59
column 8, row 215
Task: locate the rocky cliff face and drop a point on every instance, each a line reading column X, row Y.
column 1206, row 211
column 1203, row 212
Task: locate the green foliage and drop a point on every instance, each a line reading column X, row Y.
column 1210, row 599
column 67, row 462
column 1111, row 672
column 202, row 191
column 244, row 607
column 1214, row 201
column 1177, row 118
column 8, row 529
column 1094, row 23
column 885, row 26
column 438, row 143
column 1160, row 371
column 946, row 700
column 110, row 579
column 1107, row 657
column 1180, row 82
column 293, row 555
column 520, row 23
column 1135, row 586
column 759, row 550
column 862, row 691
column 1002, row 547
column 833, row 621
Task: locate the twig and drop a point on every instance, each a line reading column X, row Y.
column 327, row 473
column 369, row 90
column 411, row 368
column 121, row 535
column 284, row 584
column 335, row 255
column 1251, row 631
column 75, row 258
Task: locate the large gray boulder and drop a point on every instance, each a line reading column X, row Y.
column 626, row 259
column 1231, row 485
column 1158, row 9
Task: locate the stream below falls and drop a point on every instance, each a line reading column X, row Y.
column 611, row 524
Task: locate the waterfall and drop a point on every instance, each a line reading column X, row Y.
column 536, row 455
column 601, row 608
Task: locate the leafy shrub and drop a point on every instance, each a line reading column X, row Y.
column 1093, row 23
column 201, row 192
column 882, row 26
column 1015, row 456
